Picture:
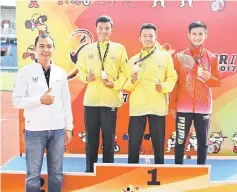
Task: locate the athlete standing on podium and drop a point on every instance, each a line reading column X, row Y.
column 102, row 66
column 152, row 77
column 191, row 99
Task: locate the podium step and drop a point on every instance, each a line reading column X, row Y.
column 130, row 177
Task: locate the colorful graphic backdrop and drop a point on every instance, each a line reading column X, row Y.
column 72, row 25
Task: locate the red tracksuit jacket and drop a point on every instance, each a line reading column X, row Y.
column 191, row 93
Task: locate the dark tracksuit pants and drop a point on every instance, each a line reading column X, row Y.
column 96, row 118
column 136, row 130
column 201, row 125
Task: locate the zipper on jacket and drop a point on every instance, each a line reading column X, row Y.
column 194, row 98
column 102, row 91
column 166, row 103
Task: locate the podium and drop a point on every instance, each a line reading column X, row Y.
column 130, row 178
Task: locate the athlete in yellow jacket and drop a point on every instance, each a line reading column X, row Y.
column 102, row 65
column 152, row 78
column 99, row 92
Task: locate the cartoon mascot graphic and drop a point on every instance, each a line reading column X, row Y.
column 116, row 146
column 29, row 53
column 171, row 141
column 234, row 139
column 192, row 141
column 216, row 139
column 38, row 22
column 82, row 136
column 33, row 4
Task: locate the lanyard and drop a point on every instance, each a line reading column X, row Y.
column 105, row 55
column 144, row 58
column 198, row 60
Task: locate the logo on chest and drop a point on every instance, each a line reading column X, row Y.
column 113, row 58
column 35, row 79
column 91, row 56
column 160, row 65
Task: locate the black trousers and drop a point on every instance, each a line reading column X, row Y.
column 201, row 125
column 96, row 118
column 136, row 130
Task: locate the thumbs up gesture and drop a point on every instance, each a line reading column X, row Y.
column 159, row 86
column 91, row 76
column 134, row 77
column 47, row 99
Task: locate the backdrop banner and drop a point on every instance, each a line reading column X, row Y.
column 72, row 24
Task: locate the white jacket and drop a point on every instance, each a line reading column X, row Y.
column 30, row 85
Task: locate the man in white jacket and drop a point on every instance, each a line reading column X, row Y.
column 41, row 89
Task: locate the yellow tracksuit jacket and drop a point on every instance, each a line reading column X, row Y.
column 144, row 98
column 97, row 94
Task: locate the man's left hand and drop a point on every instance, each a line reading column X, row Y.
column 108, row 83
column 68, row 137
column 159, row 87
column 206, row 75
